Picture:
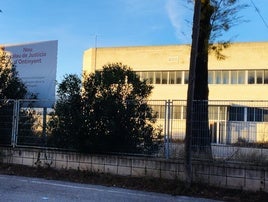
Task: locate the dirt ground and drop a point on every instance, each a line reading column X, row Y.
column 173, row 187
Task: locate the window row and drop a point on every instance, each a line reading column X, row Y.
column 238, row 77
column 164, row 77
column 248, row 114
column 220, row 113
column 214, row 77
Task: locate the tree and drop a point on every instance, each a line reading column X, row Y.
column 216, row 17
column 211, row 19
column 107, row 114
column 117, row 117
column 65, row 125
column 11, row 88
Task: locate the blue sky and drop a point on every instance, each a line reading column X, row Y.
column 76, row 23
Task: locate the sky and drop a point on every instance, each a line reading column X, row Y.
column 82, row 24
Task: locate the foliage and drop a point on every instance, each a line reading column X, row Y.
column 11, row 88
column 117, row 116
column 109, row 113
column 225, row 16
column 66, row 122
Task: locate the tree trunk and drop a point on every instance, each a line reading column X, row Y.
column 190, row 93
column 200, row 132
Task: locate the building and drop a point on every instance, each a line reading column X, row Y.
column 236, row 81
column 243, row 75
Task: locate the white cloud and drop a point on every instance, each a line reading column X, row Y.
column 178, row 14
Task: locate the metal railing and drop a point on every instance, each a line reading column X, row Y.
column 238, row 130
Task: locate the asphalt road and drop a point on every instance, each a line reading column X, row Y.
column 14, row 188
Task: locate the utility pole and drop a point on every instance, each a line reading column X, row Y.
column 190, row 92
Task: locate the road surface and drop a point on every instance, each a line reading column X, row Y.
column 16, row 188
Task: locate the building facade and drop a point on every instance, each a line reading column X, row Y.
column 242, row 75
column 238, row 85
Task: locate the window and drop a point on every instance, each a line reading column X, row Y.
column 250, row 114
column 233, row 77
column 141, row 75
column 159, row 110
column 184, row 114
column 251, row 77
column 150, row 77
column 177, row 112
column 213, row 112
column 186, row 77
column 218, row 77
column 157, row 77
column 178, row 77
column 210, row 77
column 164, row 77
column 265, row 77
column 259, row 77
column 254, row 114
column 214, row 77
column 222, row 110
column 171, row 78
column 225, row 77
column 265, row 114
column 236, row 113
column 241, row 77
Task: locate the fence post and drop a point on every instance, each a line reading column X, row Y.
column 44, row 132
column 15, row 123
column 167, row 127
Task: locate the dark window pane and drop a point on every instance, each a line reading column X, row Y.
column 164, row 77
column 240, row 113
column 178, row 77
column 236, row 113
column 250, row 114
column 265, row 77
column 158, row 77
column 258, row 115
column 259, row 77
column 171, row 77
column 251, row 77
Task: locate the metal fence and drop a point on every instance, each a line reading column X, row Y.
column 238, row 130
column 23, row 123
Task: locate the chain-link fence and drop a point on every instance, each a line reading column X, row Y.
column 235, row 130
column 23, row 124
